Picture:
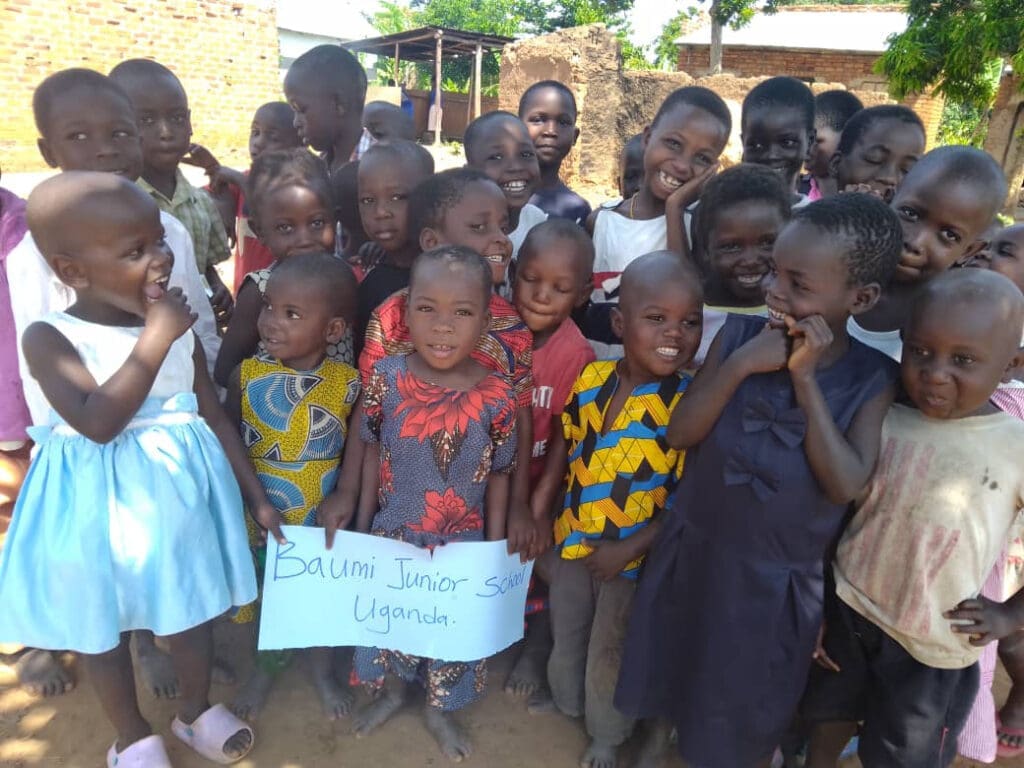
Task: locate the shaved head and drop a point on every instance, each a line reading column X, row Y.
column 980, row 293
column 62, row 206
column 654, row 271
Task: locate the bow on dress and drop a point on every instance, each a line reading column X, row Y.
column 788, row 426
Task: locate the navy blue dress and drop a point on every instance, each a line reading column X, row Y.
column 728, row 609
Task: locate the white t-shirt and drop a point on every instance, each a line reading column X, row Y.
column 37, row 291
column 940, row 508
column 887, row 342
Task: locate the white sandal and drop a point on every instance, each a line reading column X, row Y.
column 144, row 753
column 208, row 734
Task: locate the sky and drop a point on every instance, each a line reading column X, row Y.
column 648, row 16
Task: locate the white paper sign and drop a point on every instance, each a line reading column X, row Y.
column 463, row 602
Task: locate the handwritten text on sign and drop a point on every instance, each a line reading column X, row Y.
column 463, row 602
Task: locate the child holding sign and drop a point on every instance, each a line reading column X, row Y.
column 439, row 433
column 291, row 403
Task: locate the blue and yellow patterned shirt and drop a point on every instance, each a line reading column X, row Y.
column 620, row 478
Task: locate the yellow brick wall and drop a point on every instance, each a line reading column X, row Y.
column 224, row 51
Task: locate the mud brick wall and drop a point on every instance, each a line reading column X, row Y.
column 224, row 51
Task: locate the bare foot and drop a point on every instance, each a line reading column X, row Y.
column 335, row 698
column 530, row 671
column 380, row 710
column 449, row 735
column 252, row 696
column 156, row 667
column 654, row 744
column 599, row 755
column 40, row 672
column 222, row 673
column 541, row 703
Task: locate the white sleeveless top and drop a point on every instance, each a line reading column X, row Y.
column 618, row 240
column 105, row 348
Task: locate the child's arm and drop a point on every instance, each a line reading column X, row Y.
column 255, row 497
column 609, row 557
column 521, row 530
column 370, row 487
column 241, row 337
column 550, row 485
column 221, row 300
column 101, row 411
column 338, row 507
column 675, row 211
column 716, row 382
column 233, row 397
column 842, row 464
column 495, row 506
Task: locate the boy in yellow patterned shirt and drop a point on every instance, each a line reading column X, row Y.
column 621, row 472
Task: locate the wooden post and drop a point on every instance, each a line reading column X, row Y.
column 438, row 55
column 398, row 62
column 477, row 81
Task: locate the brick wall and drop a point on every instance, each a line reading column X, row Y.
column 853, row 69
column 224, row 51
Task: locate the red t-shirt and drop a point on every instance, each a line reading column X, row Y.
column 556, row 366
column 507, row 347
column 250, row 254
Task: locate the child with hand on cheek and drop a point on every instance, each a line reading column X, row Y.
column 156, row 540
column 781, row 425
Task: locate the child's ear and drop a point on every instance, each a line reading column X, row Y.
column 1015, row 363
column 833, row 165
column 335, row 330
column 646, row 137
column 70, row 271
column 617, row 322
column 429, row 239
column 46, row 152
column 812, row 137
column 866, row 297
column 575, row 136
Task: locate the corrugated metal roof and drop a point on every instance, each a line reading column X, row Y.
column 860, row 30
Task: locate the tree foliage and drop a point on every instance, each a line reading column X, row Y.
column 508, row 18
column 956, row 47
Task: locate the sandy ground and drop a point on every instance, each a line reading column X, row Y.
column 70, row 732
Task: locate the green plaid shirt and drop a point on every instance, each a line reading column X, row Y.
column 199, row 215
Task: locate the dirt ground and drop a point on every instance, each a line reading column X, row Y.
column 70, row 732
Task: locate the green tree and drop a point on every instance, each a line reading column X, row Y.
column 957, row 48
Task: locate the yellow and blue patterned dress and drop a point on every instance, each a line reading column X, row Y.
column 620, row 476
column 293, row 426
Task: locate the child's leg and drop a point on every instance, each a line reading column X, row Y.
column 39, row 672
column 389, row 700
column 529, row 674
column 572, row 614
column 192, row 653
column 828, row 740
column 607, row 727
column 113, row 679
column 1011, row 716
column 336, row 699
column 156, row 667
column 451, row 686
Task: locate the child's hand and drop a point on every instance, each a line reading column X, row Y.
column 607, row 558
column 766, row 352
column 520, row 531
column 986, row 620
column 222, row 304
column 820, row 655
column 201, row 157
column 811, row 338
column 866, row 189
column 170, row 316
column 370, row 255
column 334, row 515
column 688, row 192
column 269, row 519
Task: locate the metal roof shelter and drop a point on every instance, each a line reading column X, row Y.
column 434, row 44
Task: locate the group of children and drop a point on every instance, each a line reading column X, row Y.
column 759, row 431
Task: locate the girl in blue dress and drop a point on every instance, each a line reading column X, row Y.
column 130, row 517
column 782, row 428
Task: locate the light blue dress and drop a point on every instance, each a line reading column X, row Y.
column 144, row 532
